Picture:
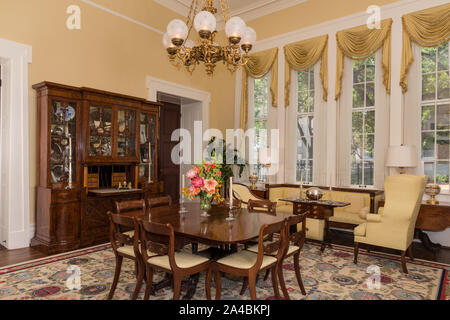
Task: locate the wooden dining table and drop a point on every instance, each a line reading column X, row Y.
column 213, row 230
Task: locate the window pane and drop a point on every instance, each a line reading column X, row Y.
column 303, row 101
column 428, row 60
column 370, row 94
column 358, row 96
column 357, row 122
column 369, row 119
column 305, row 166
column 261, row 93
column 356, row 175
column 442, row 170
column 305, row 148
column 370, row 72
column 429, row 87
column 443, row 117
column 428, row 169
column 311, row 101
column 358, row 71
column 443, row 57
column 443, row 85
column 427, row 145
column 368, row 173
column 369, row 146
column 357, row 147
column 311, row 79
column 428, row 117
column 443, row 145
column 303, row 81
column 305, row 126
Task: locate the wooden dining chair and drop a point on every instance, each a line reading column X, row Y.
column 159, row 202
column 123, row 207
column 160, row 238
column 237, row 204
column 248, row 264
column 295, row 242
column 125, row 246
column 262, row 206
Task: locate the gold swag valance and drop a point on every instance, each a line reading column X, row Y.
column 427, row 28
column 359, row 44
column 259, row 64
column 302, row 56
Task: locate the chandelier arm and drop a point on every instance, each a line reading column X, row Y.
column 225, row 10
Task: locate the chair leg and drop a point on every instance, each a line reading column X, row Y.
column 355, row 259
column 274, row 277
column 140, row 278
column 410, row 252
column 148, row 283
column 208, row 283
column 218, row 280
column 298, row 274
column 405, row 270
column 176, row 287
column 252, row 286
column 281, row 281
column 119, row 260
column 267, row 274
column 244, row 286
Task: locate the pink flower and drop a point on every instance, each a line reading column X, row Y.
column 210, row 185
column 194, row 191
column 197, row 182
column 191, row 174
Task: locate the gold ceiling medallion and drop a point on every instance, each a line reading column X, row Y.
column 184, row 51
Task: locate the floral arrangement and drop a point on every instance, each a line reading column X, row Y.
column 206, row 181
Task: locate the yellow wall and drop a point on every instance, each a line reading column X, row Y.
column 309, row 13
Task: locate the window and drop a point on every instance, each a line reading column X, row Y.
column 305, row 126
column 260, row 112
column 435, row 114
column 363, row 123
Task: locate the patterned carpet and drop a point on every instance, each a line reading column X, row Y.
column 331, row 275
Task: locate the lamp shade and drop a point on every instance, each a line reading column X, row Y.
column 401, row 157
column 264, row 156
column 205, row 20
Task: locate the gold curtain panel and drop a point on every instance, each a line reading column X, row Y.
column 259, row 64
column 427, row 28
column 302, row 56
column 361, row 43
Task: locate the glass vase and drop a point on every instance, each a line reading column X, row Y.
column 205, row 205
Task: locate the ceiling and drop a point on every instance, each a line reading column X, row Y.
column 246, row 9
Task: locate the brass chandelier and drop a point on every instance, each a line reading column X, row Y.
column 184, row 51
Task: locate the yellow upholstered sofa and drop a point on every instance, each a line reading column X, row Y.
column 361, row 202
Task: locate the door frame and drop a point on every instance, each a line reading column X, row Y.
column 14, row 143
column 155, row 85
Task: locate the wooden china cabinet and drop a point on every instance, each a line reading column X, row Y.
column 90, row 142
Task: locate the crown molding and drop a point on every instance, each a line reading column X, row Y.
column 249, row 12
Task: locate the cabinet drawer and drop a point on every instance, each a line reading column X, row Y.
column 65, row 196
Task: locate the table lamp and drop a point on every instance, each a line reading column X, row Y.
column 401, row 157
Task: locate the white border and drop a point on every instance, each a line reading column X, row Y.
column 14, row 145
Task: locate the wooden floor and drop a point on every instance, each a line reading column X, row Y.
column 9, row 257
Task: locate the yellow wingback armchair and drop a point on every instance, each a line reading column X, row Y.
column 393, row 227
column 242, row 193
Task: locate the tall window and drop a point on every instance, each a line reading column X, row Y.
column 261, row 103
column 363, row 122
column 435, row 108
column 305, row 125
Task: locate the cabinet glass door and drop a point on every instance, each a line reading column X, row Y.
column 100, row 135
column 126, row 137
column 147, row 131
column 63, row 142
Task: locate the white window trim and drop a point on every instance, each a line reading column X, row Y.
column 14, row 146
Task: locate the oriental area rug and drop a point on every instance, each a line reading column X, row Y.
column 331, row 275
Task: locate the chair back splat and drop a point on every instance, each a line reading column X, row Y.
column 262, row 206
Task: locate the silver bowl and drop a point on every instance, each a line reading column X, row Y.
column 314, row 193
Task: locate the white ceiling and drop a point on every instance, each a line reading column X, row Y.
column 246, row 9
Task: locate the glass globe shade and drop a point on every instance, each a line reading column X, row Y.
column 235, row 27
column 167, row 41
column 177, row 29
column 205, row 20
column 249, row 36
column 189, row 44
